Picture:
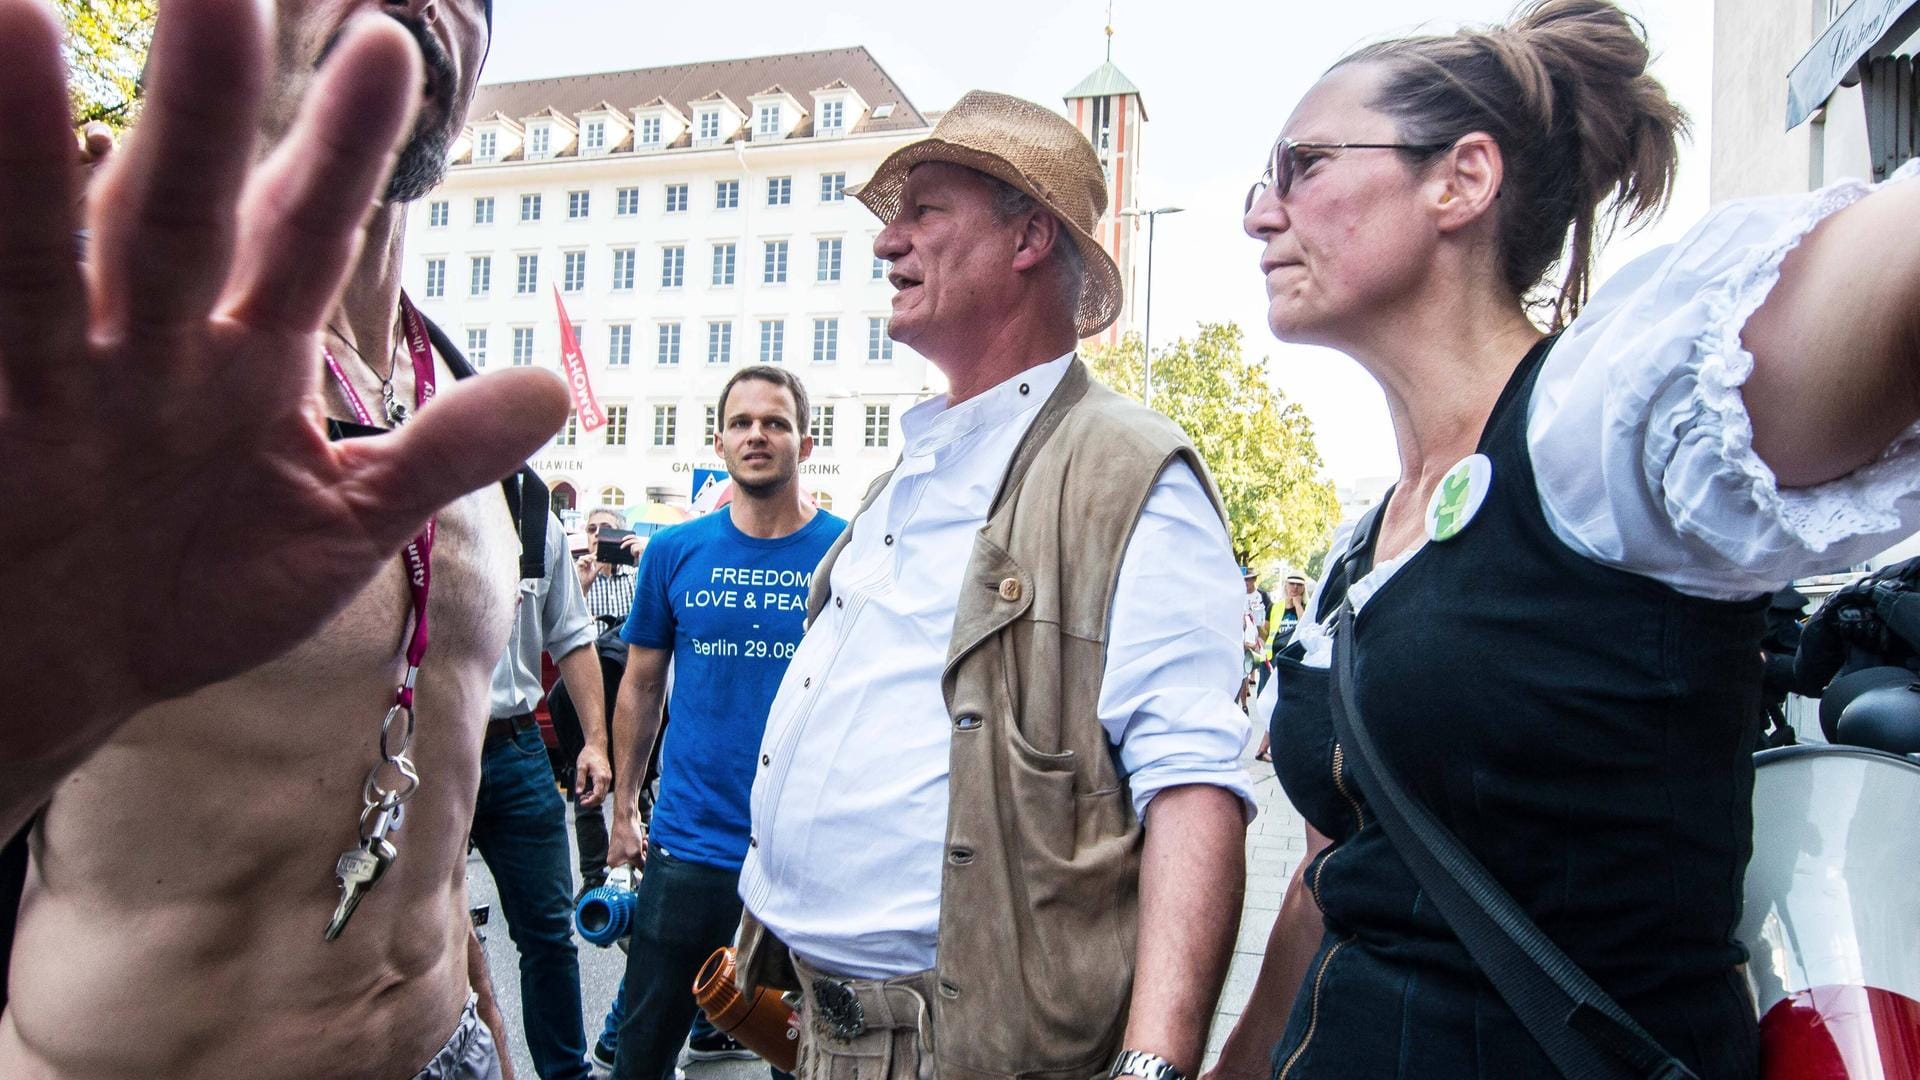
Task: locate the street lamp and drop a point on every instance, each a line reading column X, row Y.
column 1146, row 345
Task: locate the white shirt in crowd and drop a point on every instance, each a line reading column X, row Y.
column 1646, row 382
column 850, row 804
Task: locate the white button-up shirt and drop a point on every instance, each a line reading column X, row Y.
column 850, row 805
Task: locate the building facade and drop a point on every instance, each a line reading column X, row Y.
column 694, row 219
column 1807, row 92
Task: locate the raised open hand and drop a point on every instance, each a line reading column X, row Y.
column 172, row 382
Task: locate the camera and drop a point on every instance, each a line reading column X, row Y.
column 608, row 548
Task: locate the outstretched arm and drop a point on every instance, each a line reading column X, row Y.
column 1836, row 345
column 176, row 378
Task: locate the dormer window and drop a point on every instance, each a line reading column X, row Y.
column 768, row 126
column 833, row 117
column 486, row 146
column 650, row 132
column 595, row 136
column 540, row 141
column 709, row 130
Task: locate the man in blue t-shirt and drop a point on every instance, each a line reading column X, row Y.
column 723, row 597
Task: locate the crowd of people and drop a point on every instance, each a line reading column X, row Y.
column 962, row 774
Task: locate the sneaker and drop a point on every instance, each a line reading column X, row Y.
column 601, row 1055
column 717, row 1047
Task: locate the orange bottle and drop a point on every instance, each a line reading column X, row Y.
column 761, row 1022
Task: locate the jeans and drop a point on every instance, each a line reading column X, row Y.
column 682, row 912
column 520, row 827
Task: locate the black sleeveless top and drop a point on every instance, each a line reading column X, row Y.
column 1586, row 732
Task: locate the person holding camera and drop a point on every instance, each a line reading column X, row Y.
column 722, row 598
column 607, row 576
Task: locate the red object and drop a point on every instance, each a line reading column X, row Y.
column 1841, row 1033
column 548, row 676
column 574, row 367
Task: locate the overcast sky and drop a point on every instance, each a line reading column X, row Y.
column 1218, row 77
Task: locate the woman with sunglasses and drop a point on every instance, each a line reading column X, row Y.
column 1600, row 511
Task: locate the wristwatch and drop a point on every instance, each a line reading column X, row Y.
column 1144, row 1065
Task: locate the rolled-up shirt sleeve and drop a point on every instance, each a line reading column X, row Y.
column 564, row 620
column 1174, row 650
column 1641, row 441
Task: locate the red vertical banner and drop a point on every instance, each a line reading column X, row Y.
column 574, row 367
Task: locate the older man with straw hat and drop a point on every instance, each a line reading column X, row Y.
column 998, row 819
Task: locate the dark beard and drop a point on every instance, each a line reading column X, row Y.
column 761, row 491
column 422, row 163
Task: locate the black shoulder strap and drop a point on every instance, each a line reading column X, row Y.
column 527, row 497
column 1585, row 1033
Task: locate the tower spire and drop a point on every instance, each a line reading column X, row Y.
column 1109, row 31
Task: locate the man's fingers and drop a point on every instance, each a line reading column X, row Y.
column 472, row 434
column 164, row 221
column 42, row 306
column 305, row 210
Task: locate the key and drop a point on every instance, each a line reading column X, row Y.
column 359, row 869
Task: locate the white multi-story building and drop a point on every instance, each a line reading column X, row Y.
column 694, row 220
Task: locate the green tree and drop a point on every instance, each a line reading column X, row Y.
column 106, row 46
column 1258, row 445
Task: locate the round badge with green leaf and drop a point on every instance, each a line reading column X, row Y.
column 1459, row 497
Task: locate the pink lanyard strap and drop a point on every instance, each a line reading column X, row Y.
column 418, row 554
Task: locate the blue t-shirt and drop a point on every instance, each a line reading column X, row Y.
column 732, row 608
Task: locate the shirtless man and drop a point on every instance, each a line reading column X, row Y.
column 200, row 738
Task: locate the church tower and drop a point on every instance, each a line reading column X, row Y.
column 1108, row 110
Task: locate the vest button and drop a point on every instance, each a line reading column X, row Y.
column 1010, row 589
column 960, row 856
column 967, row 721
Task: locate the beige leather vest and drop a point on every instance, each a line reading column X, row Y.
column 1040, row 889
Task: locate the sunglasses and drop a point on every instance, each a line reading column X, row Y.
column 1291, row 158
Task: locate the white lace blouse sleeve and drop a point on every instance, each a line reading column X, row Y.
column 1642, row 446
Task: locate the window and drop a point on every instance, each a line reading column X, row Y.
column 540, row 141
column 880, row 268
column 709, row 125
column 626, row 202
column 569, row 433
column 768, row 126
column 483, row 210
column 650, row 132
column 528, row 275
column 879, row 345
column 833, row 117
column 774, row 266
column 773, row 341
column 779, row 190
column 826, row 340
column 673, row 266
column 666, row 424
column 669, row 355
column 827, row 260
column 623, row 260
column 573, row 276
column 726, row 195
column 613, row 496
column 577, row 204
column 437, row 214
column 833, row 187
column 616, row 429
column 619, row 344
column 523, row 346
column 477, row 346
column 436, row 278
column 719, row 343
column 480, row 279
column 820, row 425
column 823, row 500
column 676, row 198
column 529, row 208
column 486, row 146
column 723, row 263
column 879, row 419
column 596, row 135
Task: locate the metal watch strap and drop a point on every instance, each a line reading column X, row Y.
column 1147, row 1066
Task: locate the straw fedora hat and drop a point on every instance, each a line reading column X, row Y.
column 1036, row 150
